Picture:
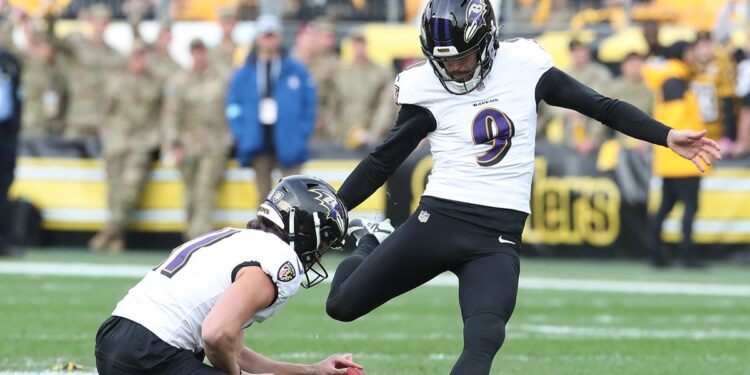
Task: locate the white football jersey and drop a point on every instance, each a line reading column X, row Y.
column 175, row 297
column 483, row 146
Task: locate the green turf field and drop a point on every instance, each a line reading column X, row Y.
column 50, row 319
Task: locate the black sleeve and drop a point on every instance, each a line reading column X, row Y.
column 674, row 89
column 559, row 89
column 412, row 125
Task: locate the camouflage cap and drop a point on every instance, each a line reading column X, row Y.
column 227, row 13
column 100, row 12
column 357, row 33
column 38, row 29
column 325, row 24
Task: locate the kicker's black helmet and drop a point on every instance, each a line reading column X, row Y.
column 313, row 217
column 453, row 29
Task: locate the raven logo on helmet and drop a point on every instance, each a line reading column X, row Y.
column 332, row 205
column 474, row 18
column 277, row 196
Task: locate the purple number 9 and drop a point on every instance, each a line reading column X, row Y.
column 493, row 128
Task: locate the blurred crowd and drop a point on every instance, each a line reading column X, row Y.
column 696, row 83
column 717, row 78
column 264, row 110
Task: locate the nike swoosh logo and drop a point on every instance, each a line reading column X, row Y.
column 505, row 241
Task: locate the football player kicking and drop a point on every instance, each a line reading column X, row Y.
column 475, row 100
column 209, row 289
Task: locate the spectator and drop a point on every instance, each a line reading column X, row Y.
column 713, row 85
column 45, row 90
column 10, row 122
column 305, row 49
column 584, row 69
column 742, row 145
column 651, row 35
column 676, row 104
column 362, row 108
column 324, row 67
column 265, row 134
column 133, row 104
column 45, row 85
column 583, row 133
column 161, row 62
column 633, row 167
column 88, row 71
column 197, row 136
column 222, row 56
column 629, row 87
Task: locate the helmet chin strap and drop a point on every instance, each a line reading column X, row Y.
column 291, row 227
column 316, row 220
column 465, row 86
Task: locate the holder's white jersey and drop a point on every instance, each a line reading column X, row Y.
column 483, row 145
column 175, row 297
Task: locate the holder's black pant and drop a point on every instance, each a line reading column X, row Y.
column 124, row 347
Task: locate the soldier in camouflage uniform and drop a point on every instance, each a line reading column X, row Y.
column 44, row 84
column 130, row 135
column 197, row 136
column 91, row 64
column 582, row 133
column 323, row 67
column 160, row 61
column 222, row 55
column 629, row 87
column 363, row 108
column 45, row 90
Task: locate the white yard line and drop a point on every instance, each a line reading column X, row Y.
column 449, row 280
column 567, row 332
column 73, row 269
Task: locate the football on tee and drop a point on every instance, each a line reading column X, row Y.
column 354, row 371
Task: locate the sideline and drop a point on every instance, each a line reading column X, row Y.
column 445, row 280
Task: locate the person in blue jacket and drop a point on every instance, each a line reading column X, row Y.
column 271, row 108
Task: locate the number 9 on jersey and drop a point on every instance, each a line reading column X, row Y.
column 492, row 127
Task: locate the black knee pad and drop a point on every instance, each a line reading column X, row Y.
column 484, row 333
column 339, row 310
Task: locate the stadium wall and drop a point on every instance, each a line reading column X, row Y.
column 578, row 209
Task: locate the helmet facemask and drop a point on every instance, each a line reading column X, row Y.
column 311, row 244
column 470, row 81
column 311, row 219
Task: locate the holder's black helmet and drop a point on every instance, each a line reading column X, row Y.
column 453, row 29
column 313, row 218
